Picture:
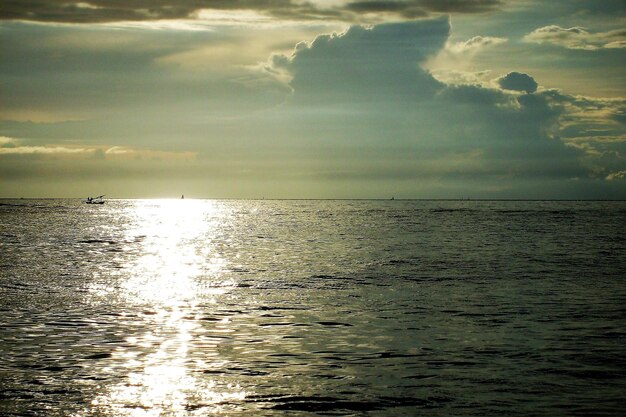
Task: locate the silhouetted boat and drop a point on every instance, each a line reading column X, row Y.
column 95, row 200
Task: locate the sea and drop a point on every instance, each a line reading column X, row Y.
column 312, row 307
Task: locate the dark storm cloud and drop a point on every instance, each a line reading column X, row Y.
column 517, row 81
column 99, row 11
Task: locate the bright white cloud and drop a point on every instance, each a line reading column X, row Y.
column 117, row 150
column 619, row 175
column 43, row 150
column 7, row 142
column 11, row 146
column 475, row 44
column 454, row 63
column 578, row 38
column 85, row 5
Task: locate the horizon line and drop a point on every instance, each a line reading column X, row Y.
column 326, row 199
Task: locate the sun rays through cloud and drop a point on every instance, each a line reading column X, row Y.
column 316, row 99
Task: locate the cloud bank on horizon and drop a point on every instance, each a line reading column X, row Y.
column 397, row 108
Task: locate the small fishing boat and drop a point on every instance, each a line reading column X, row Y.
column 95, row 200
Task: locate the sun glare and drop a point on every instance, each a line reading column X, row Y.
column 174, row 268
column 172, row 256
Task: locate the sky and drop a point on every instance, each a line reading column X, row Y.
column 501, row 99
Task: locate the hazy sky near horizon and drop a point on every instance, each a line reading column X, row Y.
column 317, row 99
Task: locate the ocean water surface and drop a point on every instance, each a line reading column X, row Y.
column 291, row 308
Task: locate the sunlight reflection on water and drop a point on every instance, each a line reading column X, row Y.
column 271, row 308
column 175, row 269
column 173, row 253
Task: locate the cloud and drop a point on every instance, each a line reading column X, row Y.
column 130, row 153
column 578, row 38
column 367, row 90
column 620, row 175
column 421, row 8
column 6, row 142
column 517, row 81
column 476, row 43
column 11, row 146
column 377, row 63
column 361, row 112
column 454, row 63
column 100, row 11
column 455, row 77
column 597, row 128
column 43, row 150
column 588, row 119
column 117, row 150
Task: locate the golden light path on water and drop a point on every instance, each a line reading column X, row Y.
column 175, row 274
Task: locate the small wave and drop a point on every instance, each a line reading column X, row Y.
column 420, row 376
column 334, row 323
column 109, row 242
column 453, row 210
column 323, row 404
column 60, row 323
column 288, row 323
column 598, row 374
column 270, row 308
column 400, row 262
column 239, row 270
column 102, row 355
column 236, row 370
